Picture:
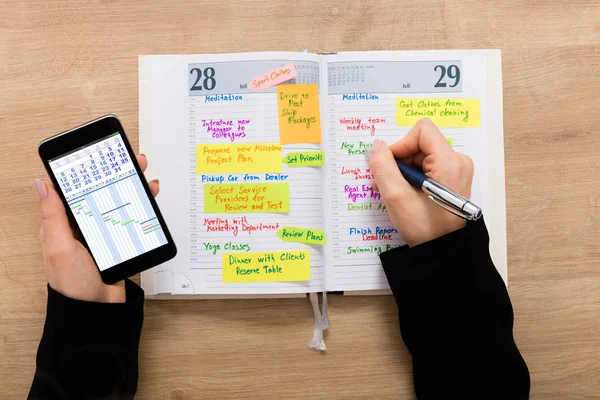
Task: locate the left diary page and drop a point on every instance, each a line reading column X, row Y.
column 222, row 133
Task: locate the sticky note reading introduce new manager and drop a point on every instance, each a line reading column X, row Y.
column 238, row 158
column 444, row 112
column 299, row 115
column 266, row 266
column 272, row 78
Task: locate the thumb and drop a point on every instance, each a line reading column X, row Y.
column 388, row 177
column 55, row 224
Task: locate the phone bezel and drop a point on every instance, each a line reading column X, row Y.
column 79, row 136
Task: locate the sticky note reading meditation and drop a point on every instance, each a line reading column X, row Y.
column 444, row 112
column 238, row 158
column 266, row 266
column 299, row 115
column 247, row 198
column 272, row 78
column 301, row 235
column 305, row 159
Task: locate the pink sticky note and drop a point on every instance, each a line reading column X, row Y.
column 272, row 78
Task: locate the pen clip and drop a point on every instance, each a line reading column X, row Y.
column 448, row 207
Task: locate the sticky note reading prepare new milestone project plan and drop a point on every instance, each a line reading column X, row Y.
column 299, row 115
column 444, row 112
column 266, row 266
column 238, row 158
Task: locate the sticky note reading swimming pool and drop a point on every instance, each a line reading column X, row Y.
column 299, row 115
column 301, row 235
column 444, row 112
column 266, row 266
column 247, row 198
column 238, row 158
column 305, row 159
column 272, row 78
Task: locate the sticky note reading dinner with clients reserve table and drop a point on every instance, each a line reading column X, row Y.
column 238, row 158
column 299, row 115
column 444, row 112
column 247, row 198
column 266, row 266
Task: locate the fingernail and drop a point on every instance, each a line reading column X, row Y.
column 41, row 189
column 378, row 144
column 143, row 155
column 156, row 180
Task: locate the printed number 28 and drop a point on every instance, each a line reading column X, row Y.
column 209, row 78
column 453, row 72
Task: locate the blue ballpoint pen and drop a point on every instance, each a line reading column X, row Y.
column 441, row 195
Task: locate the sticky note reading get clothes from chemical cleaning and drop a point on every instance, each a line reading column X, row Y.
column 238, row 158
column 301, row 235
column 305, row 159
column 272, row 78
column 247, row 198
column 267, row 266
column 444, row 112
column 299, row 115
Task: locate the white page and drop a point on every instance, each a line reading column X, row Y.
column 171, row 126
column 383, row 77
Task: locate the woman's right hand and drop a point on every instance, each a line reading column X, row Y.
column 417, row 218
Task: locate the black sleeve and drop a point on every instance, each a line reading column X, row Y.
column 89, row 350
column 456, row 318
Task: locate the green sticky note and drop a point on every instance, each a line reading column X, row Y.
column 305, row 159
column 301, row 235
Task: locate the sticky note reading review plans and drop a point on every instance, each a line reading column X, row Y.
column 444, row 112
column 272, row 78
column 247, row 198
column 238, row 158
column 266, row 266
column 301, row 235
column 305, row 159
column 299, row 115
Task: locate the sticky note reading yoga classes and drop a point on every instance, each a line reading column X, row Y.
column 266, row 266
column 272, row 78
column 305, row 159
column 247, row 198
column 444, row 112
column 301, row 235
column 238, row 158
column 299, row 115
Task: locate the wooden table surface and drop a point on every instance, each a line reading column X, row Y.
column 66, row 62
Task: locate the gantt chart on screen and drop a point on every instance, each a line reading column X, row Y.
column 109, row 203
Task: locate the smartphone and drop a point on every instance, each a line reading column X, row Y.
column 107, row 199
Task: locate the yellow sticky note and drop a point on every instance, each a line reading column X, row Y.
column 305, row 159
column 301, row 235
column 266, row 266
column 247, row 198
column 444, row 112
column 449, row 140
column 238, row 158
column 299, row 115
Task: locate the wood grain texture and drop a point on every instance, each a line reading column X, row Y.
column 65, row 62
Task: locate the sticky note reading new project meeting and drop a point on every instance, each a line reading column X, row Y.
column 444, row 112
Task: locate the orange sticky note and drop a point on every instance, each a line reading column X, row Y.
column 272, row 78
column 299, row 115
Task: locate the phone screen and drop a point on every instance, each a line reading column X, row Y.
column 106, row 197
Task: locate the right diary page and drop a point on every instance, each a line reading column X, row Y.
column 372, row 95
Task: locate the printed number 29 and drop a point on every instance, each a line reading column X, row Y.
column 453, row 72
column 209, row 78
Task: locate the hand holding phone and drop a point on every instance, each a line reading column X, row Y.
column 107, row 202
column 69, row 266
